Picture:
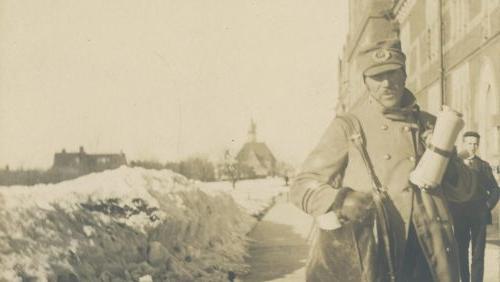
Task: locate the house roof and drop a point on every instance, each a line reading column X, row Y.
column 260, row 150
column 88, row 155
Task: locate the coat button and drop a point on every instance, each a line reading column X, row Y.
column 384, row 127
column 387, row 156
column 448, row 249
column 412, row 159
column 438, row 219
column 406, row 128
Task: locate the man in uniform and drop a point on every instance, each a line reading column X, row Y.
column 334, row 181
column 472, row 217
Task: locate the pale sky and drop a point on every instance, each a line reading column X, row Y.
column 164, row 80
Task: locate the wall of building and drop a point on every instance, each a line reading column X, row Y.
column 82, row 163
column 471, row 65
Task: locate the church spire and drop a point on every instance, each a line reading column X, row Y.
column 252, row 132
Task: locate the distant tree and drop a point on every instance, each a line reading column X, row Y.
column 173, row 166
column 30, row 177
column 199, row 168
column 231, row 168
column 246, row 171
column 147, row 164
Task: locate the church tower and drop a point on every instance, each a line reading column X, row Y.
column 256, row 157
column 252, row 132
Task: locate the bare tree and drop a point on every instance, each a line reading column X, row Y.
column 231, row 168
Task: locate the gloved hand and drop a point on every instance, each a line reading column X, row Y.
column 328, row 221
column 356, row 206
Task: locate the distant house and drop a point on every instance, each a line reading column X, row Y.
column 83, row 163
column 257, row 155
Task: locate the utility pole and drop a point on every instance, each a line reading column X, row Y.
column 442, row 73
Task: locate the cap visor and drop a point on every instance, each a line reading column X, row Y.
column 382, row 68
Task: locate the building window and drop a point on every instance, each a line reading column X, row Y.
column 102, row 160
column 416, row 65
column 459, row 17
column 489, row 5
column 475, row 8
column 405, row 37
column 431, row 11
column 458, row 96
column 492, row 134
column 434, row 98
column 459, row 93
column 408, row 47
column 487, row 111
column 432, row 21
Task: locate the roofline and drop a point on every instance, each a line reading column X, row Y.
column 92, row 155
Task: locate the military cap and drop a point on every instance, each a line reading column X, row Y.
column 381, row 56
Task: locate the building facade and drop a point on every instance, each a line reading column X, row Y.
column 79, row 163
column 458, row 64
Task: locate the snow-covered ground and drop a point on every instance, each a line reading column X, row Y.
column 254, row 196
column 129, row 224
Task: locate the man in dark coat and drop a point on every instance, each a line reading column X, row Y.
column 334, row 184
column 472, row 217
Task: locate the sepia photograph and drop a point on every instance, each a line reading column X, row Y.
column 249, row 141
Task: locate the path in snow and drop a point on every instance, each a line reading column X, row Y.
column 279, row 249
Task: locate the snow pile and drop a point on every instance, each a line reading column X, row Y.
column 128, row 224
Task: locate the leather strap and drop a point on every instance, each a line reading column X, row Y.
column 356, row 136
column 439, row 151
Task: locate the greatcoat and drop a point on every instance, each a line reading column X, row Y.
column 394, row 146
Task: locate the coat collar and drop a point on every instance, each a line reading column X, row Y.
column 466, row 156
column 405, row 113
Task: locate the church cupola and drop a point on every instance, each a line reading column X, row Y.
column 252, row 132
